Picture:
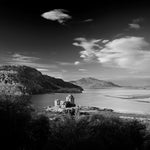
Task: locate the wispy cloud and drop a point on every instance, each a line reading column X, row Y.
column 59, row 15
column 20, row 59
column 76, row 63
column 64, row 71
column 105, row 41
column 65, row 63
column 89, row 47
column 88, row 20
column 127, row 52
column 138, row 20
column 83, row 70
column 135, row 24
column 68, row 63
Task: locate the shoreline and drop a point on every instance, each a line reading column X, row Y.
column 89, row 110
column 132, row 113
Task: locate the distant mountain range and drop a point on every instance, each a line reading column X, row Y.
column 92, row 83
column 133, row 81
column 17, row 80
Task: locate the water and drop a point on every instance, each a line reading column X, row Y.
column 118, row 99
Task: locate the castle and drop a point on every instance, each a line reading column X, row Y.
column 69, row 102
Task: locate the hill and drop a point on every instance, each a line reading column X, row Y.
column 26, row 80
column 92, row 83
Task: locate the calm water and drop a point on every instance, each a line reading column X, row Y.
column 118, row 99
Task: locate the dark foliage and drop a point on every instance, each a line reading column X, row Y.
column 22, row 129
column 97, row 131
column 15, row 114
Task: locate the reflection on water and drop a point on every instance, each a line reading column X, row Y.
column 118, row 99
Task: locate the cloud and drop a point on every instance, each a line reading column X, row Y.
column 59, row 15
column 137, row 20
column 64, row 71
column 76, row 62
column 82, row 70
column 105, row 41
column 135, row 24
column 128, row 52
column 89, row 47
column 21, row 58
column 68, row 63
column 35, row 62
column 65, row 63
column 88, row 20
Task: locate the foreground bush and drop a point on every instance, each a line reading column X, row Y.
column 22, row 129
column 97, row 131
column 15, row 114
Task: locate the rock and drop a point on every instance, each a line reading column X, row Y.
column 70, row 111
column 48, row 108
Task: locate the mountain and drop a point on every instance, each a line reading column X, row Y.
column 92, row 83
column 26, row 80
column 133, row 81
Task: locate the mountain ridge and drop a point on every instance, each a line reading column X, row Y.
column 17, row 80
column 93, row 83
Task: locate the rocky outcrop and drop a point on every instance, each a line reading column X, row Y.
column 17, row 80
column 92, row 83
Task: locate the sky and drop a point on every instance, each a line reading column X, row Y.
column 109, row 40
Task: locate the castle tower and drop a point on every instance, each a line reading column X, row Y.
column 70, row 98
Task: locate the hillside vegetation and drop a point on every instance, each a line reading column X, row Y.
column 23, row 129
column 26, row 80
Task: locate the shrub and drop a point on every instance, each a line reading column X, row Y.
column 15, row 114
column 22, row 129
column 97, row 131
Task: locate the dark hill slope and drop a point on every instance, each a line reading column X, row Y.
column 26, row 80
